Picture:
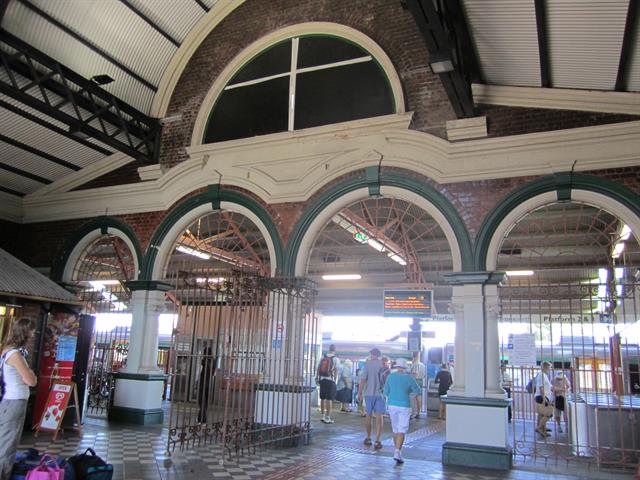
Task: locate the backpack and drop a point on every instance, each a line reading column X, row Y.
column 89, row 466
column 2, row 387
column 324, row 368
column 531, row 386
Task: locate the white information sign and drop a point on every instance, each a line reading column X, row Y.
column 522, row 349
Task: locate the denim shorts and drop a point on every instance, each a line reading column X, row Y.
column 375, row 404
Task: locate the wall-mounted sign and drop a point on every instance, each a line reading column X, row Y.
column 414, row 341
column 408, row 303
column 521, row 349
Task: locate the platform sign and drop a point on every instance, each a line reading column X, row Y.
column 414, row 341
column 408, row 303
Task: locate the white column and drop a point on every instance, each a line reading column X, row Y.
column 138, row 391
column 477, row 432
column 492, row 343
column 147, row 305
column 473, row 341
column 457, row 309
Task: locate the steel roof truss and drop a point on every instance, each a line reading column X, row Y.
column 11, row 191
column 440, row 39
column 40, row 153
column 150, row 22
column 627, row 46
column 202, row 5
column 88, row 44
column 25, row 174
column 94, row 112
column 543, row 44
column 54, row 128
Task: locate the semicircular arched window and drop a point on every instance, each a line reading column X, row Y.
column 299, row 83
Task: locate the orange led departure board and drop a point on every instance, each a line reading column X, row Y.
column 408, row 303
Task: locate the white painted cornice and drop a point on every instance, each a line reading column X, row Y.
column 292, row 166
column 557, row 98
column 11, row 207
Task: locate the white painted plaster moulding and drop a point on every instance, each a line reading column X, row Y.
column 291, row 166
column 557, row 98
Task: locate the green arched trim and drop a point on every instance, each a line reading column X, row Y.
column 213, row 195
column 102, row 223
column 562, row 183
column 385, row 179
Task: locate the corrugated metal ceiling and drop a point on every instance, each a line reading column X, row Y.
column 506, row 41
column 113, row 37
column 584, row 37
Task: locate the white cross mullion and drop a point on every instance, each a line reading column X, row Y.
column 292, row 82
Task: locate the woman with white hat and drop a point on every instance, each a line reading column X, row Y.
column 398, row 389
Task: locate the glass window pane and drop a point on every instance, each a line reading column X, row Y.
column 314, row 51
column 248, row 111
column 341, row 94
column 276, row 59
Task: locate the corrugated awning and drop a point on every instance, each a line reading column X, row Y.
column 18, row 279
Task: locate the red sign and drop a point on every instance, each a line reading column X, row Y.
column 56, row 405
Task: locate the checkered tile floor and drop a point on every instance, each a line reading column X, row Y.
column 336, row 452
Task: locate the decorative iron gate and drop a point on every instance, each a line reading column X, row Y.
column 571, row 299
column 110, row 346
column 598, row 355
column 243, row 356
column 100, row 273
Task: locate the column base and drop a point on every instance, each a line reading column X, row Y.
column 138, row 399
column 476, row 456
column 293, row 404
column 477, row 433
column 136, row 416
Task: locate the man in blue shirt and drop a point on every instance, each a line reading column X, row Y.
column 398, row 389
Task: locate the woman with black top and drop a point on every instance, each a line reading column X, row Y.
column 444, row 381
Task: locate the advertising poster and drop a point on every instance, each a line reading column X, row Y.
column 56, row 405
column 57, row 356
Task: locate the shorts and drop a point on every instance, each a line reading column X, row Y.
column 399, row 418
column 327, row 389
column 375, row 404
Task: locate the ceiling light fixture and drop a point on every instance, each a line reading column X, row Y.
column 194, row 252
column 344, row 276
column 519, row 273
column 441, row 63
column 361, row 236
column 102, row 79
column 76, row 131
